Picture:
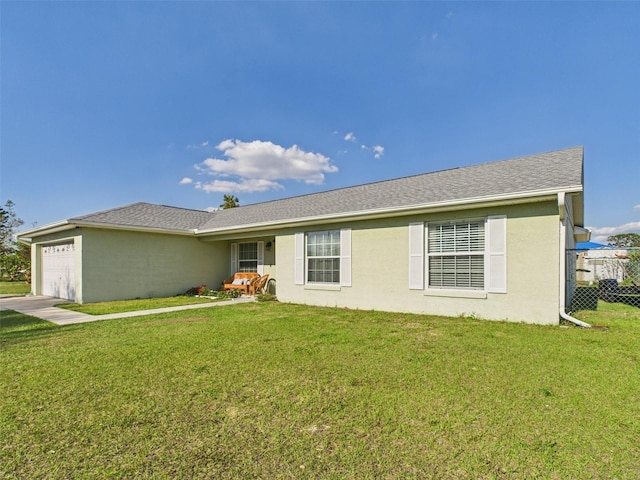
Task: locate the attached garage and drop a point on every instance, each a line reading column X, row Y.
column 58, row 271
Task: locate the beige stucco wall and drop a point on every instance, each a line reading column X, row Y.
column 380, row 268
column 118, row 264
column 122, row 265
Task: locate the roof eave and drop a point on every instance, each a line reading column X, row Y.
column 476, row 202
column 55, row 227
column 28, row 236
column 135, row 228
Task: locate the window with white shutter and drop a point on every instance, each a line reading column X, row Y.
column 463, row 255
column 248, row 257
column 323, row 257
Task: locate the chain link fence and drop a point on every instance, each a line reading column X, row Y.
column 607, row 274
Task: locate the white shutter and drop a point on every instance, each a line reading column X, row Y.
column 299, row 258
column 345, row 257
column 260, row 258
column 234, row 258
column 496, row 254
column 416, row 256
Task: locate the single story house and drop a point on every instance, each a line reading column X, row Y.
column 487, row 241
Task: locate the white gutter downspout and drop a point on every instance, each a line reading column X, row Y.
column 563, row 266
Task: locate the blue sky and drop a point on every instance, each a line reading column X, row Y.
column 109, row 103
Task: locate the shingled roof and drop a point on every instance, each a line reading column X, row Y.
column 544, row 173
column 553, row 171
column 148, row 215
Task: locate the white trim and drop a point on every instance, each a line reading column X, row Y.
column 416, row 256
column 260, row 258
column 234, row 258
column 299, row 263
column 345, row 257
column 449, row 205
column 460, row 204
column 440, row 292
column 328, row 287
column 496, row 254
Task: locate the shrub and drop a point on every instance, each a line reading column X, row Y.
column 202, row 291
column 232, row 293
column 266, row 297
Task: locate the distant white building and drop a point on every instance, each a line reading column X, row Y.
column 600, row 263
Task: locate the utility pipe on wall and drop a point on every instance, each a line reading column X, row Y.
column 563, row 267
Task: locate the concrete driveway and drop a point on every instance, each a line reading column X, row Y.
column 44, row 308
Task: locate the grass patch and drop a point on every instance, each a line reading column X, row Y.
column 270, row 390
column 104, row 308
column 15, row 288
column 608, row 314
column 12, row 322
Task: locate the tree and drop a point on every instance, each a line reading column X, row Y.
column 9, row 221
column 230, row 201
column 625, row 240
column 15, row 258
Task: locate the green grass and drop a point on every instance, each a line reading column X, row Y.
column 104, row 308
column 608, row 314
column 270, row 390
column 18, row 288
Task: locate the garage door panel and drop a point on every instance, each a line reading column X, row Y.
column 58, row 271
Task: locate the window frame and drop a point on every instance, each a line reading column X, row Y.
column 254, row 260
column 301, row 264
column 324, row 257
column 495, row 258
column 454, row 250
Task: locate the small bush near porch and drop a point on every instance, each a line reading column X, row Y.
column 269, row 390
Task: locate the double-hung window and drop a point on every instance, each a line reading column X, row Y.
column 323, row 258
column 455, row 253
column 459, row 255
column 248, row 257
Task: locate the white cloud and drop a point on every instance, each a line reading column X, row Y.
column 198, row 146
column 186, row 181
column 350, row 137
column 637, row 207
column 600, row 234
column 257, row 166
column 378, row 151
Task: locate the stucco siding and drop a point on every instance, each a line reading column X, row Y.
column 380, row 269
column 123, row 265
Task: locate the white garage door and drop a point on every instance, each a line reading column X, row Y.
column 58, row 267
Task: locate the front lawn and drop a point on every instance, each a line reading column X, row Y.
column 15, row 288
column 104, row 308
column 270, row 390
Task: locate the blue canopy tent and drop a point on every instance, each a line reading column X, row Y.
column 582, row 246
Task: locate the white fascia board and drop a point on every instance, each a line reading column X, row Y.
column 461, row 204
column 30, row 235
column 110, row 226
column 581, row 234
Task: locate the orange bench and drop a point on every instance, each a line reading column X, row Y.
column 240, row 281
